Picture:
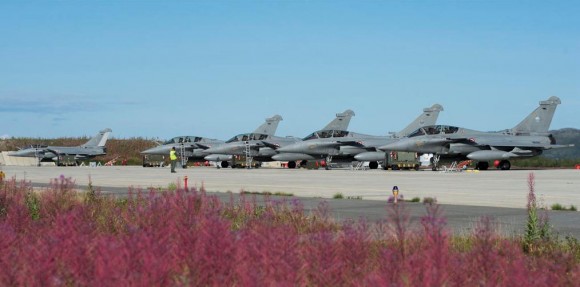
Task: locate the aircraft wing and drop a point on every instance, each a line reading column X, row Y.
column 327, row 144
column 553, row 146
column 337, row 144
column 271, row 145
column 351, row 143
column 502, row 143
column 201, row 146
column 533, row 146
column 257, row 145
column 56, row 152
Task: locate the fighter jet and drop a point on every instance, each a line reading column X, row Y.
column 189, row 148
column 529, row 138
column 340, row 123
column 341, row 145
column 252, row 144
column 94, row 147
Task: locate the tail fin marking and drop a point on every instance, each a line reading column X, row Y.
column 98, row 140
column 540, row 119
column 270, row 126
column 341, row 121
column 427, row 118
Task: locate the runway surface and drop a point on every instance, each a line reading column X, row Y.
column 465, row 196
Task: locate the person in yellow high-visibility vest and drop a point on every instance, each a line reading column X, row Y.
column 173, row 159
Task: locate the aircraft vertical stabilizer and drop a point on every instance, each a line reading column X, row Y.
column 341, row 121
column 427, row 118
column 99, row 140
column 540, row 119
column 270, row 126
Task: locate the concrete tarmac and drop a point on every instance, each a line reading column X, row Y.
column 464, row 196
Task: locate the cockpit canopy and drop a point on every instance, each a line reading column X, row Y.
column 322, row 134
column 248, row 137
column 176, row 140
column 434, row 130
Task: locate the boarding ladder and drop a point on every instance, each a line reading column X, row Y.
column 112, row 162
column 248, row 153
column 464, row 164
column 360, row 165
column 37, row 156
column 182, row 156
column 451, row 168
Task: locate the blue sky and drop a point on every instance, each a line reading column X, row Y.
column 219, row 68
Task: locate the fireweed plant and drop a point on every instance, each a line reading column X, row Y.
column 57, row 236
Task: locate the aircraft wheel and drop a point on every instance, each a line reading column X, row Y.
column 433, row 166
column 416, row 167
column 394, row 167
column 303, row 163
column 225, row 164
column 505, row 165
column 373, row 165
column 482, row 165
column 291, row 164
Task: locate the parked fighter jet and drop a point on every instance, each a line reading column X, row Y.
column 251, row 145
column 340, row 123
column 342, row 145
column 189, row 148
column 94, row 147
column 529, row 138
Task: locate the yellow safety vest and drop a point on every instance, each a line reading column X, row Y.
column 172, row 155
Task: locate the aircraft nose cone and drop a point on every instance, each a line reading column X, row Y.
column 396, row 146
column 156, row 150
column 277, row 157
column 218, row 157
column 20, row 153
column 283, row 149
column 289, row 148
column 215, row 150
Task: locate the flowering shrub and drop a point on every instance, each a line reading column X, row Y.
column 190, row 238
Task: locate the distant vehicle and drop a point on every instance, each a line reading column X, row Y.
column 252, row 145
column 396, row 160
column 153, row 160
column 344, row 146
column 188, row 148
column 94, row 147
column 529, row 138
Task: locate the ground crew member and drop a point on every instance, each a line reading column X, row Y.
column 173, row 159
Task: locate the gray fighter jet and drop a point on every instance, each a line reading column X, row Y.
column 94, row 147
column 251, row 145
column 188, row 148
column 529, row 138
column 340, row 123
column 344, row 146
